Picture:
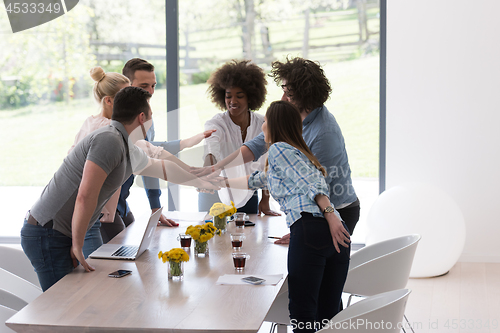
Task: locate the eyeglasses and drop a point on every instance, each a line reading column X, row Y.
column 287, row 91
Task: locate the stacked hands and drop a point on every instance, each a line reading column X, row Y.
column 211, row 176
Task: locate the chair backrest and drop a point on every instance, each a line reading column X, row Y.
column 18, row 287
column 15, row 261
column 278, row 313
column 11, row 301
column 5, row 313
column 379, row 313
column 381, row 267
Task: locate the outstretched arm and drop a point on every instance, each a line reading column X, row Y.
column 194, row 140
column 238, row 157
column 158, row 153
column 172, row 172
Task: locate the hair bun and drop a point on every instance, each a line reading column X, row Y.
column 97, row 73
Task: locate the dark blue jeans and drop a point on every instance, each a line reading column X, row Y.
column 49, row 253
column 316, row 274
column 93, row 239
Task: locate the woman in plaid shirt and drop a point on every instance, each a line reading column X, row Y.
column 318, row 254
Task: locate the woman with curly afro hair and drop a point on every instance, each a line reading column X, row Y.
column 238, row 88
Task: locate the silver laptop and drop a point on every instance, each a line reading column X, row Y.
column 129, row 252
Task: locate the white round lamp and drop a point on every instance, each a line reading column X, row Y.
column 420, row 208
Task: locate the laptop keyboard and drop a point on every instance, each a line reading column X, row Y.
column 125, row 251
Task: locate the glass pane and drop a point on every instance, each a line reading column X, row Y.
column 46, row 89
column 342, row 35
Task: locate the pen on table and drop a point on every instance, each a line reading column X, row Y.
column 273, row 237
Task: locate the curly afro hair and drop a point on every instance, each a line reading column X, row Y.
column 309, row 88
column 242, row 74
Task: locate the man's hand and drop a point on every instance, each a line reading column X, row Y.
column 283, row 240
column 207, row 133
column 164, row 221
column 77, row 256
column 194, row 140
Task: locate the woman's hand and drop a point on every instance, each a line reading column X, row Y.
column 264, row 207
column 163, row 221
column 339, row 234
column 77, row 256
column 283, row 240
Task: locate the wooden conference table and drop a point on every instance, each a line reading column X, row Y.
column 147, row 301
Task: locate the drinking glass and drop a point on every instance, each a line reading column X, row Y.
column 237, row 241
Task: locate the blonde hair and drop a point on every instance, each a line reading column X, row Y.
column 106, row 84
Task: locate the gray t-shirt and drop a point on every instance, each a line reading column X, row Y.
column 107, row 147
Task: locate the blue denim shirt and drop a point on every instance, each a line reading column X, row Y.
column 323, row 136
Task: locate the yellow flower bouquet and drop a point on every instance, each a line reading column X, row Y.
column 175, row 258
column 201, row 234
column 220, row 212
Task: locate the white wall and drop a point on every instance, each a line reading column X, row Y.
column 443, row 108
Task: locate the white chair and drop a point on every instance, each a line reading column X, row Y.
column 379, row 313
column 11, row 301
column 18, row 287
column 381, row 267
column 278, row 313
column 5, row 313
column 15, row 261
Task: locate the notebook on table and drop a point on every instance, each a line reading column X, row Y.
column 129, row 252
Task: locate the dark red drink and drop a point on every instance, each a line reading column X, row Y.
column 186, row 242
column 239, row 223
column 239, row 262
column 237, row 243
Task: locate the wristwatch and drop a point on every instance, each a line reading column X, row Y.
column 329, row 209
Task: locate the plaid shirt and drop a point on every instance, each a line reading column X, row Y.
column 293, row 181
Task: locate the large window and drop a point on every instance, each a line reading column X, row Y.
column 342, row 35
column 45, row 87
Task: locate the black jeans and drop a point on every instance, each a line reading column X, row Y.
column 316, row 274
column 350, row 215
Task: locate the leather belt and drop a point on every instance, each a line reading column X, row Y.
column 31, row 220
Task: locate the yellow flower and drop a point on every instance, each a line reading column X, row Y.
column 175, row 254
column 221, row 210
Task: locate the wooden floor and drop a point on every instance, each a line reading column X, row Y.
column 467, row 299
